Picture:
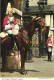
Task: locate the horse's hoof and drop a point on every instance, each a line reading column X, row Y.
column 24, row 73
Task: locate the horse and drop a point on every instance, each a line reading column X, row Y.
column 23, row 39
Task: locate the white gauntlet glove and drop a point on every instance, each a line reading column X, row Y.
column 7, row 27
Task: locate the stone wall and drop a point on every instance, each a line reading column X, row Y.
column 33, row 2
column 50, row 2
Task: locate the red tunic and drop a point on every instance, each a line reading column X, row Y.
column 49, row 42
column 5, row 22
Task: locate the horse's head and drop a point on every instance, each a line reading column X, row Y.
column 32, row 25
column 40, row 24
column 40, row 21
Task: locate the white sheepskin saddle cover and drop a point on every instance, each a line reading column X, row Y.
column 3, row 34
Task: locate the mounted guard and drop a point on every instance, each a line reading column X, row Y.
column 21, row 41
column 11, row 28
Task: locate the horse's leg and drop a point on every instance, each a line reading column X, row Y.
column 23, row 58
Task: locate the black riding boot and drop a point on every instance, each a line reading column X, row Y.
column 12, row 38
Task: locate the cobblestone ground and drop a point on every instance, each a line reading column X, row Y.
column 40, row 67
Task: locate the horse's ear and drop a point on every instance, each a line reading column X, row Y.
column 37, row 18
column 32, row 18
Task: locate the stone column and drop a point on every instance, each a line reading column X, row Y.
column 51, row 21
column 52, row 33
column 48, row 22
column 19, row 4
column 52, row 26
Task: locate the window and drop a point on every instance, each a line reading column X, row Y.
column 43, row 1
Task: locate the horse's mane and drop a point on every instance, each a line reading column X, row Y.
column 28, row 25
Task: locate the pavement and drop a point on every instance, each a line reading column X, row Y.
column 39, row 68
